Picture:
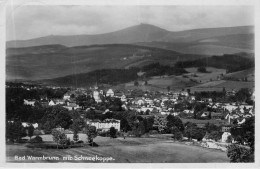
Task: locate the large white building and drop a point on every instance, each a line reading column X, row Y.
column 106, row 124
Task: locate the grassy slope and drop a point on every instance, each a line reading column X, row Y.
column 249, row 73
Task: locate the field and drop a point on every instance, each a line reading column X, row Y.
column 249, row 73
column 204, row 77
column 129, row 150
column 218, row 86
column 160, row 83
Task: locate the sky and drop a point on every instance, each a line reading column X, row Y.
column 27, row 22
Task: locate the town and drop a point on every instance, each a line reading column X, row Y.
column 215, row 120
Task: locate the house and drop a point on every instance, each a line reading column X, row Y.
column 123, row 98
column 226, row 128
column 71, row 106
column 96, row 96
column 216, row 115
column 52, row 103
column 105, row 125
column 25, row 124
column 66, row 96
column 44, row 102
column 192, row 98
column 224, row 137
column 184, row 93
column 140, row 102
column 205, row 114
column 110, row 93
column 56, row 102
column 144, row 109
column 29, row 102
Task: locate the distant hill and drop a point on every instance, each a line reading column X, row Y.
column 53, row 61
column 207, row 41
column 212, row 45
column 114, row 76
column 138, row 33
column 230, row 62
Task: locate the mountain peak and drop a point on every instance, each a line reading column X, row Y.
column 146, row 27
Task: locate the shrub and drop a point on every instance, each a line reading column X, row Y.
column 75, row 137
column 80, row 141
column 238, row 154
column 153, row 132
column 37, row 132
column 202, row 70
column 37, row 139
column 178, row 136
column 112, row 132
column 229, row 139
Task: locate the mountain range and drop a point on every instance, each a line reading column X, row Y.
column 58, row 56
column 199, row 41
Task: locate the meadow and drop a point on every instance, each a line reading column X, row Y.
column 119, row 150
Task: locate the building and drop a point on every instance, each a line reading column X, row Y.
column 56, row 102
column 216, row 115
column 96, row 96
column 110, row 93
column 25, row 124
column 105, row 125
column 29, row 102
column 123, row 98
column 225, row 128
column 71, row 106
column 224, row 137
column 66, row 96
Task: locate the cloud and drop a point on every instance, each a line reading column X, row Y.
column 27, row 22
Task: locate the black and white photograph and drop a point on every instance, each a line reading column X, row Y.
column 140, row 83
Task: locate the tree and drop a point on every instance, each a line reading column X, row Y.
column 160, row 123
column 81, row 100
column 72, row 96
column 30, row 131
column 77, row 126
column 192, row 131
column 15, row 131
column 242, row 95
column 59, row 137
column 63, row 119
column 91, row 132
column 212, row 127
column 136, row 83
column 173, row 121
column 238, row 154
column 148, row 123
column 188, row 91
column 145, row 82
column 202, row 70
column 112, row 132
column 245, row 133
column 56, row 116
column 177, row 134
column 141, row 128
column 168, row 88
column 214, row 135
column 229, row 139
